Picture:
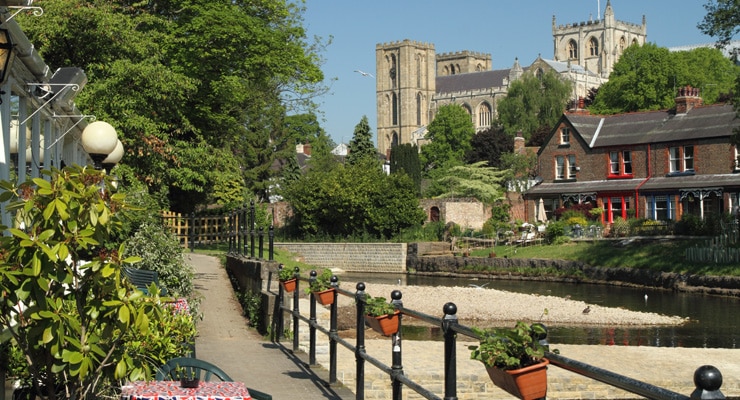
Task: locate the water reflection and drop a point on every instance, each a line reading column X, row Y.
column 714, row 321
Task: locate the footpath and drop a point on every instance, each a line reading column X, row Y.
column 225, row 340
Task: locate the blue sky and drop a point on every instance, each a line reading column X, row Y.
column 505, row 29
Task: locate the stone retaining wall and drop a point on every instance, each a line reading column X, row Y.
column 352, row 257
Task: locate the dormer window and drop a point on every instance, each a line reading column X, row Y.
column 564, row 135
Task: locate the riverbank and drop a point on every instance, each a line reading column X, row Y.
column 490, row 307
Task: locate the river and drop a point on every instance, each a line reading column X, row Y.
column 714, row 320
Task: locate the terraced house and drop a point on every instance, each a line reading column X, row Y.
column 658, row 165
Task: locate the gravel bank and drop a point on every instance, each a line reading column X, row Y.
column 495, row 307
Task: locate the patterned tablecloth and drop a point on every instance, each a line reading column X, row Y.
column 171, row 390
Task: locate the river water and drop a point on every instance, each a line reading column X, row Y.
column 714, row 320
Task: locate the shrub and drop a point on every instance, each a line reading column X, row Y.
column 160, row 251
column 554, row 230
column 579, row 220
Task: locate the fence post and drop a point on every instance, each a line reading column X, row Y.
column 708, row 380
column 277, row 332
column 191, row 232
column 360, row 298
column 251, row 226
column 245, row 229
column 239, row 228
column 271, row 236
column 397, row 366
column 262, row 240
column 312, row 319
column 333, row 334
column 450, row 320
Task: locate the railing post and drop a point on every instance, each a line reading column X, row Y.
column 244, row 251
column 333, row 334
column 262, row 239
column 708, row 380
column 312, row 319
column 360, row 298
column 271, row 236
column 239, row 228
column 450, row 320
column 278, row 325
column 251, row 227
column 397, row 366
column 296, row 309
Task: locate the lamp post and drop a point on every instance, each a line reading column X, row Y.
column 99, row 139
column 113, row 158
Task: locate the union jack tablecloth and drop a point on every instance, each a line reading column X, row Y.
column 171, row 390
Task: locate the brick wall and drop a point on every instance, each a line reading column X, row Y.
column 351, row 257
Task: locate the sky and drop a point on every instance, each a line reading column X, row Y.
column 505, row 29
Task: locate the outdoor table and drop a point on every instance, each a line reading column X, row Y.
column 171, row 390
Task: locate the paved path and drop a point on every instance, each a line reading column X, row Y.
column 225, row 340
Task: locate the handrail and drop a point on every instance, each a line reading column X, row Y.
column 707, row 379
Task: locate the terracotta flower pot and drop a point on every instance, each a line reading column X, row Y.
column 386, row 325
column 526, row 383
column 289, row 285
column 325, row 297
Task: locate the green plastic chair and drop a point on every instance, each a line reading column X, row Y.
column 176, row 368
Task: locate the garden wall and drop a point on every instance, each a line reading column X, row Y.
column 351, row 257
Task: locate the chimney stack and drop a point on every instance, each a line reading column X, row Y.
column 519, row 143
column 688, row 98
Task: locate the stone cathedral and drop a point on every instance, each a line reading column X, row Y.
column 412, row 81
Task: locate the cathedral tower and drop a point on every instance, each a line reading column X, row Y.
column 596, row 45
column 405, row 85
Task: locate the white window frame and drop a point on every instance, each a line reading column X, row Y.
column 559, row 167
column 564, row 135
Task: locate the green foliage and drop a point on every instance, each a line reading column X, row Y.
column 198, row 124
column 646, row 78
column 429, row 232
column 160, row 251
column 251, row 303
column 405, row 159
column 554, row 230
column 361, row 148
column 499, row 219
column 449, row 133
column 509, row 348
column 321, row 283
column 620, row 227
column 474, row 180
column 353, row 200
column 285, row 273
column 78, row 318
column 531, row 103
column 378, row 306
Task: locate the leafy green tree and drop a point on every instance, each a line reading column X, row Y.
column 532, row 102
column 647, row 77
column 723, row 22
column 449, row 134
column 353, row 200
column 176, row 93
column 473, row 180
column 305, row 128
column 405, row 159
column 488, row 146
column 361, row 146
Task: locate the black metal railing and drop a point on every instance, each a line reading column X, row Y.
column 707, row 379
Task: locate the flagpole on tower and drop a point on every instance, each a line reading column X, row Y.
column 598, row 11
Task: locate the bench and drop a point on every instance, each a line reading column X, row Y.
column 142, row 279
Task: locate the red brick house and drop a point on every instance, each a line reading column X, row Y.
column 657, row 165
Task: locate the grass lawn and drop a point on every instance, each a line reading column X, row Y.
column 666, row 255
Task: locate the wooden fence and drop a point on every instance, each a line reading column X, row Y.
column 199, row 230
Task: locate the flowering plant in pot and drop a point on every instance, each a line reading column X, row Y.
column 514, row 358
column 321, row 287
column 381, row 316
column 287, row 278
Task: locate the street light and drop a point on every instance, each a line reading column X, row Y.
column 99, row 139
column 113, row 158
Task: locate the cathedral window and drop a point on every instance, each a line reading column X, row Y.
column 572, row 50
column 484, row 116
column 394, row 109
column 418, row 109
column 593, row 46
column 622, row 44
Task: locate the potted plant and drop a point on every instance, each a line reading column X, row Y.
column 287, row 278
column 381, row 316
column 514, row 359
column 321, row 288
